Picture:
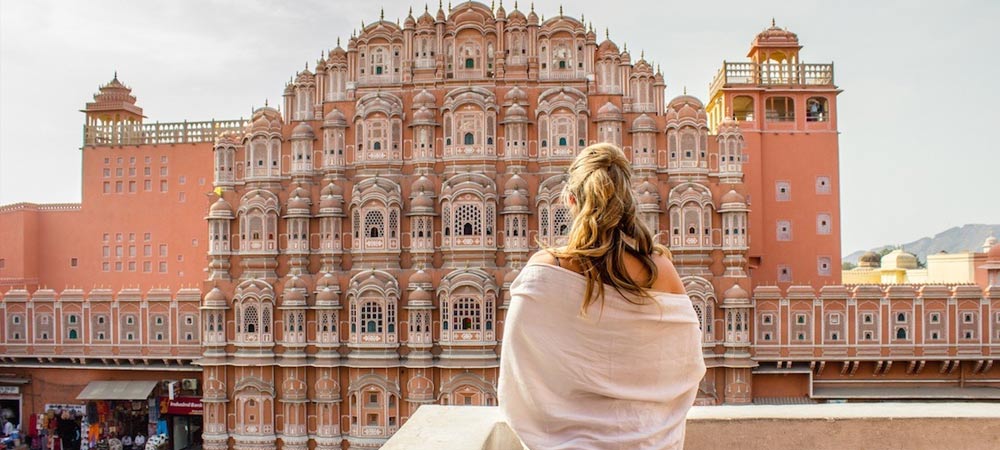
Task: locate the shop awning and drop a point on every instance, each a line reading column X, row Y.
column 117, row 390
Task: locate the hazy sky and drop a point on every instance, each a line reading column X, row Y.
column 918, row 149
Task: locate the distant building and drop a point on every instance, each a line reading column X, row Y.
column 900, row 267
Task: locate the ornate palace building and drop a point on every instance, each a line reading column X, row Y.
column 361, row 240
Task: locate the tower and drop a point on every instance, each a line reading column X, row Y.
column 786, row 111
column 113, row 117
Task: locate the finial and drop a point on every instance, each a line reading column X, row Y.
column 265, row 103
column 685, row 90
column 397, row 21
column 381, row 14
column 362, row 25
column 116, row 74
column 625, row 46
column 532, row 6
column 582, row 18
column 607, row 35
column 338, row 41
column 772, row 22
column 515, row 4
column 642, row 54
column 449, row 5
column 425, row 7
column 307, row 65
column 492, row 5
column 560, row 10
column 411, row 10
column 657, row 67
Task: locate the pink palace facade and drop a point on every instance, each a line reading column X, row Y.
column 361, row 240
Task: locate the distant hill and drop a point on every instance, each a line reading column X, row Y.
column 965, row 238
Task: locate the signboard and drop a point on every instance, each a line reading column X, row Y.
column 181, row 406
column 79, row 409
column 10, row 390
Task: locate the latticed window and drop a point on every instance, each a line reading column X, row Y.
column 250, row 319
column 466, row 314
column 371, row 318
column 544, row 224
column 265, row 320
column 560, row 221
column 374, row 224
column 446, row 218
column 393, row 223
column 468, row 219
column 490, row 218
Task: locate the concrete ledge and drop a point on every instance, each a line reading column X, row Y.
column 819, row 426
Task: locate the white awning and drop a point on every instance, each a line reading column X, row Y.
column 117, row 390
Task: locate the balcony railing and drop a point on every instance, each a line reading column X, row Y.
column 773, row 74
column 159, row 133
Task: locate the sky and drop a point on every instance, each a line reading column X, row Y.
column 918, row 152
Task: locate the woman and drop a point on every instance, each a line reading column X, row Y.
column 601, row 348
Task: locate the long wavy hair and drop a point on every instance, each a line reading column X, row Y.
column 605, row 226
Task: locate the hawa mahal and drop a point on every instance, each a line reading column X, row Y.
column 326, row 267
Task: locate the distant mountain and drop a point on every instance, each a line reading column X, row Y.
column 965, row 238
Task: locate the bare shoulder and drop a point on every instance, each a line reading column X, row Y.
column 667, row 279
column 542, row 257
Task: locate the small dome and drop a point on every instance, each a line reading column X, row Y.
column 327, row 295
column 424, row 98
column 297, row 203
column 303, row 131
column 609, row 111
column 420, row 277
column 515, row 95
column 532, row 17
column 422, row 184
column 643, row 123
column 424, row 115
column 733, row 197
column 515, row 112
column 420, row 296
column 515, row 200
column 607, row 47
column 327, row 280
column 215, row 296
column 736, row 293
column 335, row 118
column 332, row 189
column 422, row 200
column 994, row 254
column 685, row 99
column 687, row 112
column 899, row 259
column 409, row 22
column 514, row 183
column 221, row 208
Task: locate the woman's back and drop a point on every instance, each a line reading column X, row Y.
column 623, row 376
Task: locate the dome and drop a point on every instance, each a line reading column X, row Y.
column 215, row 296
column 303, row 131
column 423, row 184
column 424, row 115
column 420, row 277
column 643, row 123
column 328, row 280
column 869, row 259
column 516, row 200
column 687, row 112
column 736, row 293
column 516, row 112
column 410, row 22
column 609, row 111
column 221, row 208
column 515, row 95
column 899, row 259
column 422, row 200
column 685, row 99
column 989, row 242
column 733, row 197
column 334, row 118
column 515, row 182
column 994, row 254
column 331, row 190
column 297, row 203
column 420, row 297
column 327, row 295
column 776, row 37
column 607, row 47
column 532, row 17
column 424, row 98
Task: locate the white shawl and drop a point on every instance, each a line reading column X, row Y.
column 621, row 378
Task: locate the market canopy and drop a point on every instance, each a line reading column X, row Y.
column 117, row 390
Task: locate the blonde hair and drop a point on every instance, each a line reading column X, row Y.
column 606, row 226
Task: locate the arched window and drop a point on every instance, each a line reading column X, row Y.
column 469, row 139
column 817, row 109
column 901, row 333
column 371, row 317
column 743, row 108
column 377, row 146
column 779, row 109
column 901, row 318
column 470, row 63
